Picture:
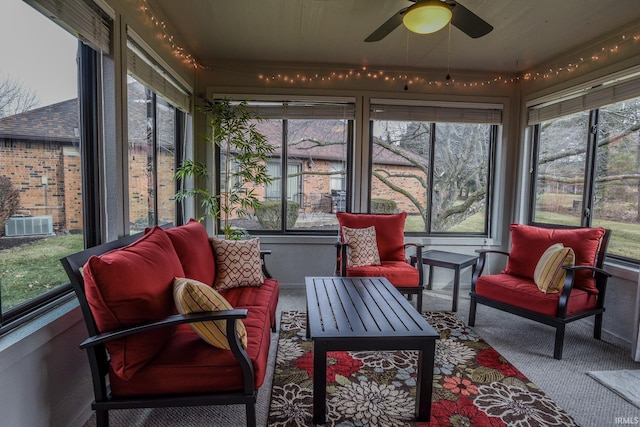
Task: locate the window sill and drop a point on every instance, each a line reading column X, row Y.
column 31, row 331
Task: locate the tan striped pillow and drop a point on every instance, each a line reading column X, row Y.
column 549, row 274
column 191, row 296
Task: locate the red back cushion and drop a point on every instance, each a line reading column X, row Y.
column 191, row 243
column 133, row 285
column 389, row 231
column 528, row 243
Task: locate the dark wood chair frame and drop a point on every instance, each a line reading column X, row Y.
column 98, row 356
column 561, row 319
column 341, row 270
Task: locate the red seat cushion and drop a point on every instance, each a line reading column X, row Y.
column 133, row 285
column 191, row 243
column 524, row 293
column 389, row 231
column 189, row 365
column 528, row 243
column 265, row 295
column 399, row 273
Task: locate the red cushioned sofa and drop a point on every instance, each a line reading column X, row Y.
column 142, row 353
column 581, row 294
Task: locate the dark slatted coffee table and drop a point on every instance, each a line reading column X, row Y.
column 365, row 314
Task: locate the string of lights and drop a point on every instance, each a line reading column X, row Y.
column 178, row 50
column 413, row 79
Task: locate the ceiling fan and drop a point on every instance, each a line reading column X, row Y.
column 460, row 17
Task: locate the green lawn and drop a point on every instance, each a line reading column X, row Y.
column 625, row 237
column 473, row 224
column 32, row 269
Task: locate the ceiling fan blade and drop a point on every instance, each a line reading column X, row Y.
column 468, row 22
column 386, row 28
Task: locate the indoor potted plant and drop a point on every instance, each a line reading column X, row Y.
column 243, row 155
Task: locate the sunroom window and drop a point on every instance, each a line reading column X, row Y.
column 156, row 106
column 45, row 134
column 586, row 162
column 435, row 163
column 311, row 141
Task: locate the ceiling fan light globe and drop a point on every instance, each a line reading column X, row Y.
column 427, row 17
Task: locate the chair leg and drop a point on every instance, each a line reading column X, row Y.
column 472, row 312
column 419, row 301
column 102, row 418
column 557, row 350
column 251, row 414
column 597, row 327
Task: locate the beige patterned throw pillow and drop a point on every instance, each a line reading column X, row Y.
column 191, row 296
column 362, row 248
column 237, row 263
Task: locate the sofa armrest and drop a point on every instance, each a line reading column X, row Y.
column 482, row 260
column 238, row 351
column 176, row 319
column 265, row 271
column 601, row 277
column 341, row 254
column 417, row 258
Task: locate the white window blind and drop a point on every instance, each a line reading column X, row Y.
column 424, row 113
column 147, row 72
column 585, row 100
column 303, row 110
column 82, row 19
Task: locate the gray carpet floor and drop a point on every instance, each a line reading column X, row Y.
column 526, row 344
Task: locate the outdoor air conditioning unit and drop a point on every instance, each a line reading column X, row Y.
column 28, row 226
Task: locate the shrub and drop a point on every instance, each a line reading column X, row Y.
column 9, row 200
column 269, row 214
column 383, row 206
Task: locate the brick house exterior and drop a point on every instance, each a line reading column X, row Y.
column 39, row 152
column 44, row 143
column 319, row 152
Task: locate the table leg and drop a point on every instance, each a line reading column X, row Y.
column 430, row 284
column 456, row 288
column 320, row 382
column 424, row 387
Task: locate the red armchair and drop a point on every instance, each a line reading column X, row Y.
column 556, row 290
column 357, row 250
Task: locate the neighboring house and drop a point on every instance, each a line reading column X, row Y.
column 317, row 169
column 39, row 153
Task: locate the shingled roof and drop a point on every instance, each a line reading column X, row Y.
column 58, row 122
column 320, row 142
column 55, row 122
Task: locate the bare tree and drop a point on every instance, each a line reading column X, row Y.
column 15, row 98
column 9, row 200
column 460, row 175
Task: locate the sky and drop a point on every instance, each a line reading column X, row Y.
column 37, row 52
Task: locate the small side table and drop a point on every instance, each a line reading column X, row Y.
column 448, row 260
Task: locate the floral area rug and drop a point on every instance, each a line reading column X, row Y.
column 473, row 384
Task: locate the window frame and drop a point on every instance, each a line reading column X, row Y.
column 89, row 66
column 282, row 159
column 178, row 118
column 591, row 153
column 491, row 173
